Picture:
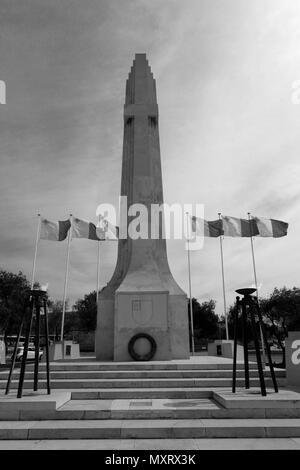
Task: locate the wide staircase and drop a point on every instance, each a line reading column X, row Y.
column 149, row 400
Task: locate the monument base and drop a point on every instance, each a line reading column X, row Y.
column 142, row 313
column 142, row 297
column 158, row 314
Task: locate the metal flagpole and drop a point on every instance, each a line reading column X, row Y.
column 35, row 251
column 256, row 286
column 98, row 271
column 190, row 286
column 66, row 281
column 223, row 282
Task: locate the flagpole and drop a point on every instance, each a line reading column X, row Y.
column 223, row 282
column 98, row 271
column 66, row 281
column 35, row 251
column 256, row 285
column 190, row 286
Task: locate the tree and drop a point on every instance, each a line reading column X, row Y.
column 205, row 320
column 281, row 313
column 13, row 289
column 87, row 311
column 55, row 319
column 239, row 327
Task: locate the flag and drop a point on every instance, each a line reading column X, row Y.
column 205, row 228
column 235, row 227
column 54, row 231
column 84, row 229
column 270, row 227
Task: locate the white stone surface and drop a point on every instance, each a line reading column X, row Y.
column 55, row 352
column 141, row 410
column 150, row 429
column 156, row 323
column 142, row 272
column 252, row 398
column 154, row 444
column 33, row 400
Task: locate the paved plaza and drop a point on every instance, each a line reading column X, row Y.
column 179, row 404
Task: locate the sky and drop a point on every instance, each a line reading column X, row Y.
column 228, row 123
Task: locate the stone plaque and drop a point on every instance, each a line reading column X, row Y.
column 142, row 311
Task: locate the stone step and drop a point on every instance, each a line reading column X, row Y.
column 198, row 408
column 150, row 429
column 136, row 445
column 140, row 393
column 124, row 409
column 140, row 374
column 140, row 383
column 131, row 366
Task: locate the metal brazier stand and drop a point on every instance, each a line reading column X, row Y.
column 249, row 306
column 35, row 300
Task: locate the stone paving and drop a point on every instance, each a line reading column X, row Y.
column 154, row 444
column 177, row 414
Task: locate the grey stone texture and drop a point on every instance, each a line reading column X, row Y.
column 142, row 295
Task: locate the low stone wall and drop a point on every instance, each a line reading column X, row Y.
column 276, row 356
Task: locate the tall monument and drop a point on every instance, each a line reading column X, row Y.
column 142, row 295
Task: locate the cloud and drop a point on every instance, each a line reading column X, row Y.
column 229, row 133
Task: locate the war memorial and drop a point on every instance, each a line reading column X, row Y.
column 144, row 389
column 142, row 293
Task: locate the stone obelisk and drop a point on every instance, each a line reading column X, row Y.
column 142, row 296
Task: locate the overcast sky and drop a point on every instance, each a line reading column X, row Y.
column 229, row 131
